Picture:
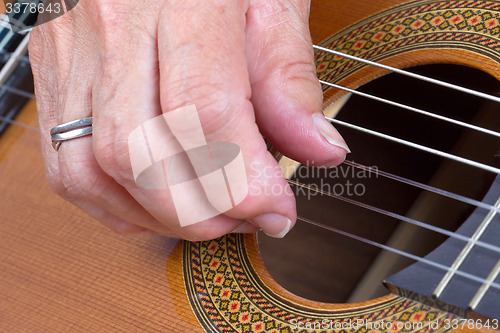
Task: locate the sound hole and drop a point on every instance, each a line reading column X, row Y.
column 323, row 266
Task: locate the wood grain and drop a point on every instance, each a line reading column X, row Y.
column 62, row 271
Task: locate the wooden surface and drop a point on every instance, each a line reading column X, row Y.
column 61, row 271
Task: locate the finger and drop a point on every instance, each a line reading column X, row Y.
column 286, row 93
column 44, row 55
column 111, row 221
column 202, row 63
column 82, row 180
column 124, row 97
column 63, row 77
column 74, row 172
column 78, row 177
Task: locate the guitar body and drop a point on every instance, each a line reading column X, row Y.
column 62, row 271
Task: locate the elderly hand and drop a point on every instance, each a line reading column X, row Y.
column 246, row 65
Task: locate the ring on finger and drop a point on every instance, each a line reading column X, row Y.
column 71, row 130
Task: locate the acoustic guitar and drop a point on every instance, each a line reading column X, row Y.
column 60, row 271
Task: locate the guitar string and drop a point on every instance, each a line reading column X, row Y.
column 394, row 215
column 413, row 109
column 463, row 255
column 401, row 253
column 410, row 74
column 439, row 191
column 17, row 56
column 24, row 58
column 17, row 123
column 21, row 56
column 460, row 259
column 358, row 128
column 391, row 214
column 396, row 139
column 454, row 196
column 448, row 269
column 452, row 271
column 19, row 92
column 416, row 146
column 23, row 46
column 15, row 26
column 8, row 55
column 13, row 62
column 359, row 93
column 400, row 217
column 481, row 293
column 353, row 91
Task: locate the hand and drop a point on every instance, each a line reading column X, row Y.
column 246, row 65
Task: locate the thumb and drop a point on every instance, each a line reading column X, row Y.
column 286, row 93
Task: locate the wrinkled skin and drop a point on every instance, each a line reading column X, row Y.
column 248, row 67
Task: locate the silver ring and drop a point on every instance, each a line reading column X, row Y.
column 72, row 130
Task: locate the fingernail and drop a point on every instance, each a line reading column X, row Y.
column 273, row 225
column 329, row 132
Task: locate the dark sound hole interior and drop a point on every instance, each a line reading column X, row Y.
column 324, row 266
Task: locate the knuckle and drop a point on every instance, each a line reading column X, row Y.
column 222, row 108
column 79, row 185
column 111, row 152
column 56, row 184
column 117, row 23
column 79, row 176
column 111, row 12
column 221, row 122
column 298, row 68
